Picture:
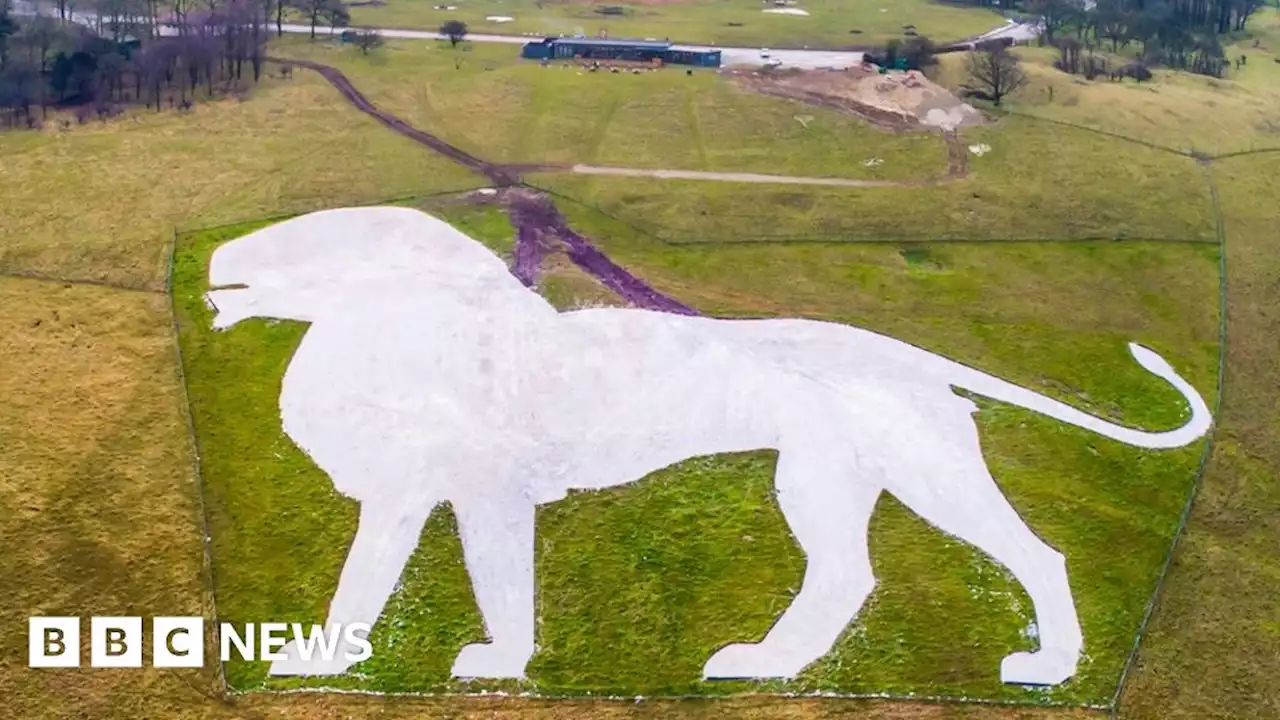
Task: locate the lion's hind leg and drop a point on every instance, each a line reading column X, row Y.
column 948, row 484
column 498, row 543
column 828, row 512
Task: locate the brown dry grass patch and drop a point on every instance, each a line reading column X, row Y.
column 100, row 201
column 97, row 502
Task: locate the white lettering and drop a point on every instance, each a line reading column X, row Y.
column 230, row 637
column 325, row 638
column 177, row 642
column 53, row 642
column 115, row 642
column 357, row 634
column 271, row 638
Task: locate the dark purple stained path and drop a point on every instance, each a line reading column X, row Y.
column 540, row 228
column 539, row 225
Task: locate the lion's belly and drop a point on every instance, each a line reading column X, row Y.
column 657, row 398
column 544, row 409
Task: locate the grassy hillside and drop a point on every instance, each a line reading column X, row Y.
column 100, row 201
column 1190, row 113
column 1214, row 647
column 509, row 110
column 1036, row 181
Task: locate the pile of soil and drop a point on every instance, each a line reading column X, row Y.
column 896, row 100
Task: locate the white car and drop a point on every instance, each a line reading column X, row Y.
column 764, row 53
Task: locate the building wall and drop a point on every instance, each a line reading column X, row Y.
column 567, row 49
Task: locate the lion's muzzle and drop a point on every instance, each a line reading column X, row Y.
column 231, row 305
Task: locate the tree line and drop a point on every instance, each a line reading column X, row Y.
column 100, row 55
column 1179, row 34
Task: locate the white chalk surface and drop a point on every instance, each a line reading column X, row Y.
column 430, row 374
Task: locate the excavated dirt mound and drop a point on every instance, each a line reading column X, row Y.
column 898, row 101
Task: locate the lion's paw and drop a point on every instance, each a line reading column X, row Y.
column 294, row 664
column 489, row 660
column 750, row 660
column 1046, row 667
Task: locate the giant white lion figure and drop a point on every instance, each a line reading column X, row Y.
column 429, row 374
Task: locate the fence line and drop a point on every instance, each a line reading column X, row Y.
column 1205, row 455
column 1188, row 153
column 1149, row 609
column 1243, row 153
column 837, row 239
column 206, row 537
column 951, row 240
column 397, row 200
column 90, row 282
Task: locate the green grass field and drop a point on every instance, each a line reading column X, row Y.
column 510, row 110
column 830, row 22
column 637, row 586
column 1038, row 179
column 1028, row 186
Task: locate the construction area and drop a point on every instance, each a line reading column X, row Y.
column 893, row 100
column 889, row 99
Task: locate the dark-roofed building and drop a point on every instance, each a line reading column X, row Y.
column 619, row 50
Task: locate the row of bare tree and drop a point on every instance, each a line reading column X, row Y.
column 99, row 54
column 48, row 62
column 1182, row 34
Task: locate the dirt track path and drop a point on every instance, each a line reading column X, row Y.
column 540, row 228
column 738, row 177
column 496, row 173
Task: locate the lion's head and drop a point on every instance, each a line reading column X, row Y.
column 339, row 260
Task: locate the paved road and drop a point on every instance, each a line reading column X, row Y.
column 729, row 55
column 805, row 59
column 1012, row 29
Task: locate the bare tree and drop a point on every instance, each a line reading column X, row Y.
column 97, row 71
column 1070, row 48
column 331, row 12
column 996, row 71
column 8, row 28
column 455, row 30
column 368, row 40
column 1054, row 15
column 337, row 16
column 40, row 35
column 122, row 19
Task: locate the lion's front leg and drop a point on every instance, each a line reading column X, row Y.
column 385, row 538
column 497, row 542
column 828, row 509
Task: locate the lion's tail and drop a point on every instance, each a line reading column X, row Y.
column 1201, row 419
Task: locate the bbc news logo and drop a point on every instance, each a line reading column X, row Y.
column 178, row 642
